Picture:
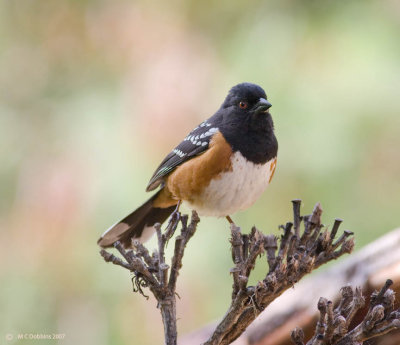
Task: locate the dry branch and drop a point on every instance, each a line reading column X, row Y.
column 368, row 268
column 294, row 255
column 151, row 270
column 333, row 324
column 297, row 254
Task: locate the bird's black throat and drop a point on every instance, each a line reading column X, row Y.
column 254, row 138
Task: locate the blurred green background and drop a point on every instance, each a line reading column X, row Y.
column 93, row 94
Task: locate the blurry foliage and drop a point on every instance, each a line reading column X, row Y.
column 95, row 93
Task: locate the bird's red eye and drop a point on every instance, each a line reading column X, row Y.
column 243, row 105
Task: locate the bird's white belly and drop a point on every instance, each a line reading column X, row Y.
column 235, row 190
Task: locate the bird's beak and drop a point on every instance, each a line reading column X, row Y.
column 262, row 106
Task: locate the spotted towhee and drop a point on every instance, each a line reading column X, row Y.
column 221, row 167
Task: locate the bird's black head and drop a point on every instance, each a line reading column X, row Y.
column 247, row 97
column 246, row 106
column 246, row 123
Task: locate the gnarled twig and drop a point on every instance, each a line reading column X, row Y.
column 298, row 254
column 333, row 325
column 151, row 270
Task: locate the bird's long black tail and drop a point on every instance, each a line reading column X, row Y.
column 139, row 224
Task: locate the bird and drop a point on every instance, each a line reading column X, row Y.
column 221, row 167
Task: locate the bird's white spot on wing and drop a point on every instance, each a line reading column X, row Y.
column 196, row 139
column 211, row 131
column 179, row 153
column 205, row 124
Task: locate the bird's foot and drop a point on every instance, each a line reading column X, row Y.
column 229, row 219
column 173, row 222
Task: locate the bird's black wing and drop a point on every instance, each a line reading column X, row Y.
column 194, row 144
